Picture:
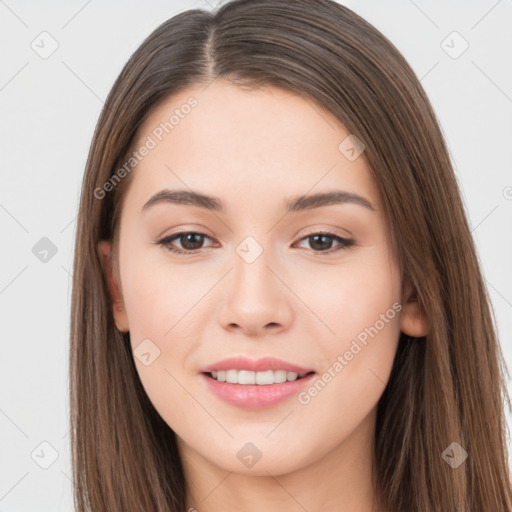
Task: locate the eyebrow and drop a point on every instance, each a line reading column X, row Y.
column 295, row 204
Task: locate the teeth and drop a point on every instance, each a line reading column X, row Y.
column 261, row 378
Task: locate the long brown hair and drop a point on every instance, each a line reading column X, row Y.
column 447, row 387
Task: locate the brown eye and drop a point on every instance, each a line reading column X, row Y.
column 322, row 242
column 191, row 242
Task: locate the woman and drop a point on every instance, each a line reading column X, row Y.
column 277, row 299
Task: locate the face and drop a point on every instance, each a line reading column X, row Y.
column 315, row 286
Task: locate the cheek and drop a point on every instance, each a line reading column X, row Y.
column 353, row 380
column 352, row 297
column 163, row 323
column 159, row 297
column 170, row 307
column 361, row 304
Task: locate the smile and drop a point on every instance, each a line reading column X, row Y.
column 246, row 377
column 256, row 396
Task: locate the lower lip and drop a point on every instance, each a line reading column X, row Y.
column 254, row 396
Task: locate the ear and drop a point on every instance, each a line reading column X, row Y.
column 413, row 320
column 116, row 296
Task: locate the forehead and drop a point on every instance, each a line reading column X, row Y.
column 227, row 140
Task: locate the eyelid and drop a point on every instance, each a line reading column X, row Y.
column 184, row 229
column 333, row 230
column 326, row 231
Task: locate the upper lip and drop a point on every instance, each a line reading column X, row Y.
column 254, row 365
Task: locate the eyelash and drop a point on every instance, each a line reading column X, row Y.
column 345, row 243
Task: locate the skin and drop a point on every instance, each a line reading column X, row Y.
column 254, row 149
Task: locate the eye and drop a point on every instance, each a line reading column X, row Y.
column 323, row 241
column 191, row 242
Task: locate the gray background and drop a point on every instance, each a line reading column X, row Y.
column 48, row 110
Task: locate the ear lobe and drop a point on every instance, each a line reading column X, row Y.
column 116, row 297
column 413, row 321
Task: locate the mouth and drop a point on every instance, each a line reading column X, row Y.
column 255, row 384
column 260, row 378
column 252, row 390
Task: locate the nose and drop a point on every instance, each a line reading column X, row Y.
column 256, row 300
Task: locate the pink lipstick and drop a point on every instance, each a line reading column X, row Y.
column 255, row 384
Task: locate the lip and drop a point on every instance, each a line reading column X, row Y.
column 253, row 396
column 254, row 365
